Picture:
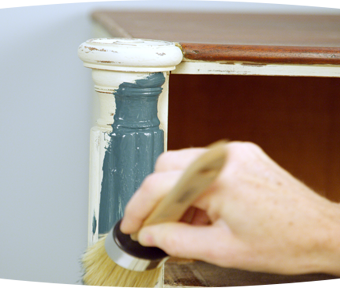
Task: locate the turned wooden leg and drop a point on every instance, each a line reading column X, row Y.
column 131, row 81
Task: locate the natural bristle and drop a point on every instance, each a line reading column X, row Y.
column 100, row 270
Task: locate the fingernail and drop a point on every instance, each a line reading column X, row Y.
column 145, row 238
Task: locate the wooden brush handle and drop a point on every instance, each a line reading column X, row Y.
column 195, row 180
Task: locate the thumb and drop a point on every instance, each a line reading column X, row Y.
column 206, row 243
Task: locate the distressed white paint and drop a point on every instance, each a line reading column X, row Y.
column 99, row 139
column 114, row 61
column 238, row 68
column 122, row 54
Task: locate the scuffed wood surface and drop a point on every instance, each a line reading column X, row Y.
column 206, row 275
column 262, row 54
column 258, row 38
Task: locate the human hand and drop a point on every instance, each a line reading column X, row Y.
column 255, row 216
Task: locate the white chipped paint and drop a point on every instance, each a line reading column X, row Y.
column 216, row 68
column 99, row 140
column 122, row 54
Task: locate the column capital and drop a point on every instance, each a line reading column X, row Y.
column 133, row 55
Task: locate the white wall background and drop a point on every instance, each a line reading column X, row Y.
column 45, row 117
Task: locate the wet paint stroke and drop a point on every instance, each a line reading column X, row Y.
column 94, row 224
column 135, row 143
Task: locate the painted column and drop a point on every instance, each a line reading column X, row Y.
column 131, row 81
column 135, row 143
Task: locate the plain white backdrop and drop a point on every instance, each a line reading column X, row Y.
column 45, row 117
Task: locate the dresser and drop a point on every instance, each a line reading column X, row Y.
column 264, row 78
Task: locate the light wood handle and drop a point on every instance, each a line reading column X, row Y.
column 195, row 180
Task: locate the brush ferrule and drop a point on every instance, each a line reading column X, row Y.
column 129, row 254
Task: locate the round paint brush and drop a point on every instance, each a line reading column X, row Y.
column 131, row 255
column 118, row 260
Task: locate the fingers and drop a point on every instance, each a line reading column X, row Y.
column 177, row 160
column 168, row 169
column 188, row 241
column 153, row 189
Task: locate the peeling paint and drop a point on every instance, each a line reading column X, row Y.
column 227, row 63
column 253, row 64
column 107, row 62
column 95, row 49
column 103, row 93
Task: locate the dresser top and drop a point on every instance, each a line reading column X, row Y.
column 259, row 38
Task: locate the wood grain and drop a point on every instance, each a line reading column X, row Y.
column 206, row 275
column 258, row 38
column 294, row 119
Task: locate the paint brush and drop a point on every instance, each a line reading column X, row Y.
column 118, row 260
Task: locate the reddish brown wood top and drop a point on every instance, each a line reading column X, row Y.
column 259, row 38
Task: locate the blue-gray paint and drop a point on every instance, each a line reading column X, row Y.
column 136, row 142
column 94, row 224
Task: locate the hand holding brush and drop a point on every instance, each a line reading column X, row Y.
column 255, row 216
column 118, row 260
